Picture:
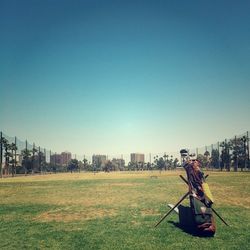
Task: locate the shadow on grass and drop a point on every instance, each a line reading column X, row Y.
column 186, row 223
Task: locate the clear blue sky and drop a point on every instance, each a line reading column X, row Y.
column 117, row 77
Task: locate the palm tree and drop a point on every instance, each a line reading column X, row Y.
column 225, row 155
column 7, row 155
column 85, row 163
column 13, row 147
column 215, row 158
column 3, row 141
column 26, row 153
column 171, row 161
column 165, row 161
column 207, row 154
column 34, row 151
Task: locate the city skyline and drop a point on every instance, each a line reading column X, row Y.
column 119, row 77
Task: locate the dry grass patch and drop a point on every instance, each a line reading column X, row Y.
column 125, row 184
column 66, row 215
column 228, row 195
column 91, row 176
column 149, row 212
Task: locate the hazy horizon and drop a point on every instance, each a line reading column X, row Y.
column 116, row 77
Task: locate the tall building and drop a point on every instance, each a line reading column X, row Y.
column 62, row 159
column 65, row 158
column 136, row 157
column 99, row 160
column 55, row 159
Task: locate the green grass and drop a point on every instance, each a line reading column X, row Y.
column 116, row 211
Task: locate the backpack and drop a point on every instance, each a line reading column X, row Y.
column 202, row 217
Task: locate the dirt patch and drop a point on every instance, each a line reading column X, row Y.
column 149, row 212
column 125, row 184
column 68, row 216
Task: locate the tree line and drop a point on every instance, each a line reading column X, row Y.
column 231, row 154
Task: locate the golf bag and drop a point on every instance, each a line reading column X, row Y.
column 201, row 200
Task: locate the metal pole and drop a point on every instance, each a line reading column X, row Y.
column 45, row 159
column 212, row 149
column 248, row 161
column 55, row 161
column 218, row 155
column 50, row 161
column 236, row 155
column 33, row 158
column 26, row 149
column 39, row 159
column 15, row 155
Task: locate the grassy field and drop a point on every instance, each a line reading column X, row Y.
column 116, row 211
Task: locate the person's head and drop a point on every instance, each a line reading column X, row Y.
column 196, row 164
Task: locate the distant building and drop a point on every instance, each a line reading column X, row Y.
column 55, row 159
column 119, row 164
column 99, row 160
column 136, row 157
column 62, row 159
column 65, row 158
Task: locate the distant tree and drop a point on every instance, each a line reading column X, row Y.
column 34, row 151
column 41, row 161
column 131, row 166
column 239, row 152
column 7, row 155
column 108, row 166
column 208, row 160
column 215, row 158
column 165, row 161
column 2, row 141
column 27, row 161
column 175, row 163
column 225, row 155
column 170, row 162
column 13, row 149
column 97, row 164
column 88, row 166
column 203, row 160
column 85, row 164
column 160, row 163
column 73, row 165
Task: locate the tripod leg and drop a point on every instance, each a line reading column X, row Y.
column 211, row 207
column 177, row 204
column 184, row 179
